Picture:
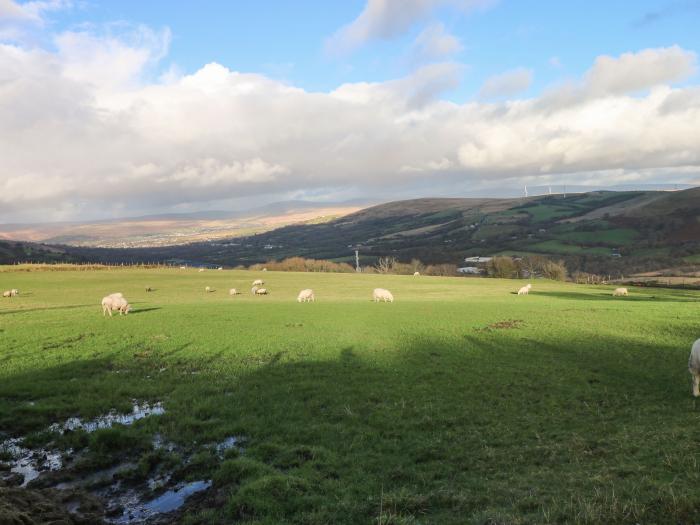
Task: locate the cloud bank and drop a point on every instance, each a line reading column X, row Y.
column 82, row 128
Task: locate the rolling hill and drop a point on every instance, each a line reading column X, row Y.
column 600, row 231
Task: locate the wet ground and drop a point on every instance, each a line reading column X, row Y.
column 47, row 485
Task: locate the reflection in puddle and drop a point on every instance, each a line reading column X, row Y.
column 166, row 502
column 30, row 463
column 138, row 411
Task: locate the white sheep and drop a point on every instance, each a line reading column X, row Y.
column 416, row 274
column 208, row 289
column 525, row 289
column 114, row 302
column 258, row 282
column 694, row 367
column 233, row 291
column 306, row 296
column 220, row 268
column 253, row 290
column 14, row 292
column 183, row 267
column 7, row 293
column 261, row 291
column 264, row 269
column 380, row 294
column 200, row 270
column 620, row 292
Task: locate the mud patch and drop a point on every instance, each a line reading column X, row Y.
column 508, row 324
column 138, row 411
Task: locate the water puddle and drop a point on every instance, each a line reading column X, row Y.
column 138, row 411
column 127, row 499
column 167, row 502
column 30, row 463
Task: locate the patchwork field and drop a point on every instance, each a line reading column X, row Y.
column 459, row 403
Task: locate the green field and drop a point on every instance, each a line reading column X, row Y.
column 458, row 403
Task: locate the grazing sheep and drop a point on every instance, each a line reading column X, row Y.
column 261, row 291
column 525, row 290
column 380, row 294
column 694, row 367
column 7, row 293
column 201, row 270
column 183, row 267
column 416, row 274
column 233, row 291
column 264, row 269
column 253, row 290
column 220, row 268
column 114, row 302
column 306, row 296
column 620, row 292
column 258, row 282
column 208, row 289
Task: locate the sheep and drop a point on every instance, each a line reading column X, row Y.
column 525, row 290
column 306, row 296
column 416, row 274
column 258, row 282
column 114, row 302
column 380, row 294
column 14, row 292
column 694, row 367
column 264, row 269
column 200, row 270
column 253, row 290
column 233, row 291
column 620, row 292
column 261, row 291
column 7, row 293
column 208, row 289
column 220, row 268
column 183, row 267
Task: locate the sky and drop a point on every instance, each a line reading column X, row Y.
column 124, row 107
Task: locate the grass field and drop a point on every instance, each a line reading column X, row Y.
column 458, row 403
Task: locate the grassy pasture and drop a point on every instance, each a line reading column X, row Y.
column 459, row 403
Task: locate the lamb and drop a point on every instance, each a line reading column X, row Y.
column 306, row 296
column 261, row 291
column 233, row 291
column 258, row 282
column 380, row 294
column 114, row 302
column 525, row 290
column 620, row 292
column 694, row 367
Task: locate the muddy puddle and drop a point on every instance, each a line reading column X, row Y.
column 125, row 499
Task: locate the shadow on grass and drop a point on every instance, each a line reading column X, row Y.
column 46, row 308
column 493, row 427
column 143, row 310
column 633, row 297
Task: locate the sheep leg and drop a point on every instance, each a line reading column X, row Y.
column 696, row 384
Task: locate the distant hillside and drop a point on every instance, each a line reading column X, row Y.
column 176, row 229
column 602, row 232
column 13, row 251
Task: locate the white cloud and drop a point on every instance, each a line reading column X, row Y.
column 384, row 19
column 637, row 71
column 434, row 43
column 74, row 142
column 507, row 84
